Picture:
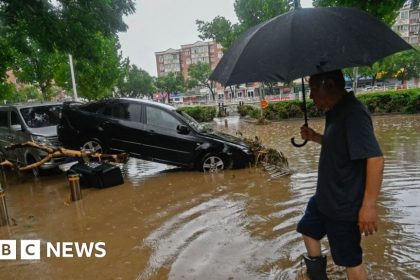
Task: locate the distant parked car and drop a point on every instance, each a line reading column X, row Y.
column 151, row 131
column 36, row 122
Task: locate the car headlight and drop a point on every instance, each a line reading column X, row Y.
column 41, row 140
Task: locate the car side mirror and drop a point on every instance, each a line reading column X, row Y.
column 183, row 129
column 16, row 127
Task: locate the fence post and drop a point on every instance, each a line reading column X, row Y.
column 4, row 214
column 74, row 183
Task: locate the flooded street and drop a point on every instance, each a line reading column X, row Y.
column 167, row 223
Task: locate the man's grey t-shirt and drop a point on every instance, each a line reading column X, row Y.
column 347, row 143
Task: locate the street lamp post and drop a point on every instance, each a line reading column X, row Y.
column 73, row 80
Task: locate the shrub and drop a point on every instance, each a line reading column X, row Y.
column 201, row 113
column 392, row 101
column 244, row 110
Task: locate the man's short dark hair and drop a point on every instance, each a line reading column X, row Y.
column 336, row 76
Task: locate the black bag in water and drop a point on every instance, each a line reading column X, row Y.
column 98, row 174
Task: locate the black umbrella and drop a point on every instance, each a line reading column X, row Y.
column 305, row 42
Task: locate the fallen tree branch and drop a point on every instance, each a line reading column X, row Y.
column 61, row 152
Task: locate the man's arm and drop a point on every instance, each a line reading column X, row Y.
column 368, row 217
column 308, row 133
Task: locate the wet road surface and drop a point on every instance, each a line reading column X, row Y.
column 167, row 223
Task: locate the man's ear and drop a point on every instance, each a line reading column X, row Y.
column 329, row 84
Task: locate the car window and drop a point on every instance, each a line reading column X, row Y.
column 3, row 119
column 134, row 112
column 41, row 116
column 125, row 111
column 14, row 120
column 96, row 107
column 158, row 117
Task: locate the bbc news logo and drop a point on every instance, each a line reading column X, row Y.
column 31, row 249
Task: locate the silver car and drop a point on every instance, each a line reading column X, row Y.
column 36, row 122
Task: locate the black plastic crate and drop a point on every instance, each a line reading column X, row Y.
column 98, row 174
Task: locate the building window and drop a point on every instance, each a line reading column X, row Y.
column 160, row 58
column 220, row 54
column 414, row 28
column 404, row 15
column 414, row 40
column 188, row 61
column 414, row 15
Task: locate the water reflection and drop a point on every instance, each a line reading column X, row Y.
column 168, row 223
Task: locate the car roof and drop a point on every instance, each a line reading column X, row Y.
column 154, row 103
column 30, row 104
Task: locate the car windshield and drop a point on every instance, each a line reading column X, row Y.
column 200, row 127
column 41, row 116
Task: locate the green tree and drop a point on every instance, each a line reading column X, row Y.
column 33, row 65
column 249, row 13
column 68, row 26
column 94, row 79
column 60, row 26
column 386, row 10
column 170, row 83
column 253, row 12
column 219, row 29
column 135, row 82
column 8, row 92
column 404, row 65
column 199, row 74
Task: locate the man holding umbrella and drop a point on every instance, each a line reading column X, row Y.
column 316, row 42
column 349, row 179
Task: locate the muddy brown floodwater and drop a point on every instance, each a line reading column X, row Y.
column 166, row 223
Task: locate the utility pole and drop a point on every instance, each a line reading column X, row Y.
column 355, row 74
column 73, row 80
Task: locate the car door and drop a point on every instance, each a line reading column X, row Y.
column 6, row 138
column 164, row 143
column 17, row 134
column 123, row 128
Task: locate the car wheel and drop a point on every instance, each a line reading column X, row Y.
column 213, row 163
column 93, row 145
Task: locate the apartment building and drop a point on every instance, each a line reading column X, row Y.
column 179, row 60
column 408, row 24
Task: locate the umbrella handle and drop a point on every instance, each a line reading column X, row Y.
column 298, row 145
column 305, row 116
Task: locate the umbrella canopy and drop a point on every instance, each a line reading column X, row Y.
column 304, row 42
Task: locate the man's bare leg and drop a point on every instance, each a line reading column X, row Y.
column 313, row 246
column 356, row 273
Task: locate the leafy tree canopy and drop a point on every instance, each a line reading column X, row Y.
column 68, row 26
column 249, row 13
column 94, row 79
column 134, row 82
column 199, row 74
column 386, row 10
column 171, row 82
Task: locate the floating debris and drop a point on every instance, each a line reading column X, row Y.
column 273, row 161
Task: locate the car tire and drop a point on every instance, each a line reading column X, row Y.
column 93, row 145
column 213, row 163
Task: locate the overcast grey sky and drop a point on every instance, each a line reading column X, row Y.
column 159, row 25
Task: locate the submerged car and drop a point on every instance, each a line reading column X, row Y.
column 36, row 122
column 151, row 131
